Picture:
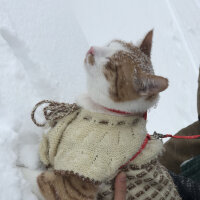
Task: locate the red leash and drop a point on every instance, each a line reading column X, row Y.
column 182, row 137
column 157, row 136
column 149, row 137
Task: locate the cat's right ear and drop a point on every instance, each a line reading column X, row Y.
column 146, row 44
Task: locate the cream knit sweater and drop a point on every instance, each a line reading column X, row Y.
column 95, row 145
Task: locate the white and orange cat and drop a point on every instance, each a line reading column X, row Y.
column 121, row 83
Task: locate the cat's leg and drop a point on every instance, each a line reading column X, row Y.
column 57, row 186
column 50, row 186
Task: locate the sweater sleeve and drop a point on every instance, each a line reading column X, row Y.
column 50, row 141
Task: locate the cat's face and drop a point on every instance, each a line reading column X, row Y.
column 121, row 73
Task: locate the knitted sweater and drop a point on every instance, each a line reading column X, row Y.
column 94, row 145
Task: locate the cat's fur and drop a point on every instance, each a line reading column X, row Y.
column 60, row 187
column 120, row 76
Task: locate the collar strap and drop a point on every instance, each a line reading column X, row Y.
column 124, row 112
column 148, row 137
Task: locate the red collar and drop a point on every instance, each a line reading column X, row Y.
column 124, row 112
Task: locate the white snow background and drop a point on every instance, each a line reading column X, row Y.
column 42, row 47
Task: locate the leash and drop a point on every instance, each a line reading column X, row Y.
column 157, row 136
column 148, row 137
column 161, row 136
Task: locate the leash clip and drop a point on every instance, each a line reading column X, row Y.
column 157, row 136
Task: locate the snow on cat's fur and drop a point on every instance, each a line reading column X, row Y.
column 120, row 76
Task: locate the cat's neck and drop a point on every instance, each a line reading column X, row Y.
column 87, row 103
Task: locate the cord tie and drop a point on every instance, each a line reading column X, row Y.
column 53, row 111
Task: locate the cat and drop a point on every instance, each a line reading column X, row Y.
column 121, row 87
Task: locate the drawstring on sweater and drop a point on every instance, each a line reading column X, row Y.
column 53, row 111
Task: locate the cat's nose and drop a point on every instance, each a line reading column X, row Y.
column 91, row 51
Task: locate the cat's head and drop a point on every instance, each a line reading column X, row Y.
column 120, row 75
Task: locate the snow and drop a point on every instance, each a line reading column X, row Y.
column 42, row 47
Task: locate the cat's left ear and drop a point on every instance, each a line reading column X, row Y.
column 146, row 44
column 147, row 85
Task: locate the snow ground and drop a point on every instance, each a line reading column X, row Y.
column 42, row 46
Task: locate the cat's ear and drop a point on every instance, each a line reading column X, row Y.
column 147, row 85
column 146, row 44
